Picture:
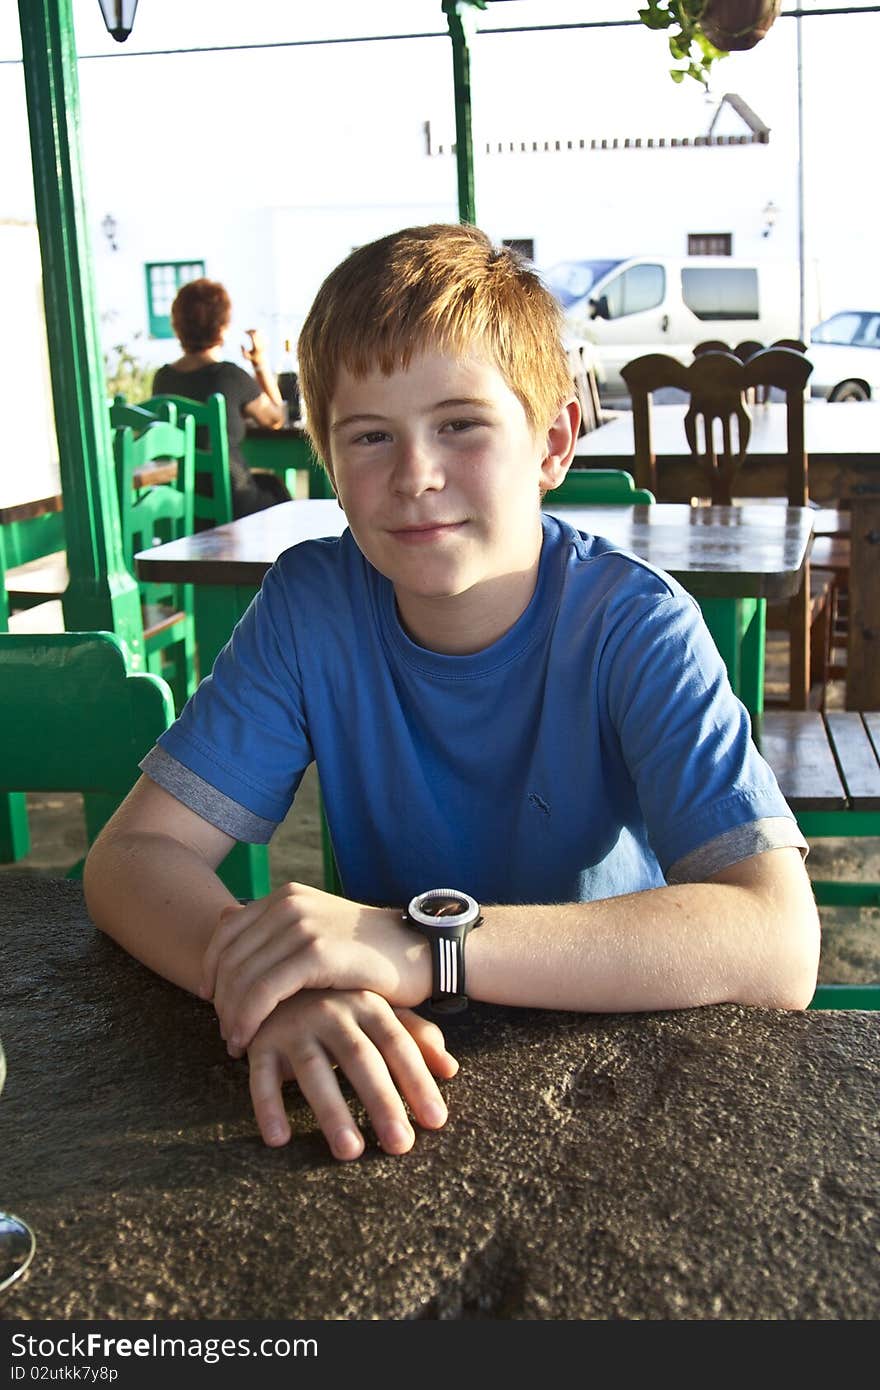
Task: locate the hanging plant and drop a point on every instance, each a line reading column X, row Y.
column 706, row 30
column 738, row 24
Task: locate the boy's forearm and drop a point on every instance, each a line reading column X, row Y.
column 158, row 898
column 667, row 948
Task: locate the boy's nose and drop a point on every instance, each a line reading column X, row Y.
column 416, row 469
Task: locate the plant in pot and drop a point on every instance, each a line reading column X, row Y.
column 705, row 30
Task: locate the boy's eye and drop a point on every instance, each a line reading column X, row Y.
column 371, row 437
column 458, row 426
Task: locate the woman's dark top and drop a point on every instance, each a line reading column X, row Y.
column 250, row 492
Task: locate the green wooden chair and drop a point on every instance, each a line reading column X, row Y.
column 140, row 416
column 213, row 485
column 75, row 719
column 148, row 517
column 582, row 487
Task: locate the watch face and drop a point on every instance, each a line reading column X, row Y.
column 444, row 907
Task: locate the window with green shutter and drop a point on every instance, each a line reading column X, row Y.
column 164, row 279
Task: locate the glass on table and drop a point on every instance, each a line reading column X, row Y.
column 16, row 1238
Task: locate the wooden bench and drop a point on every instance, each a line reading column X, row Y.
column 828, row 769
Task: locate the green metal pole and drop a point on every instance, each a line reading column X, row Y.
column 461, row 19
column 101, row 593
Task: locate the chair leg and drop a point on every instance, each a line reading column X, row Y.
column 332, row 881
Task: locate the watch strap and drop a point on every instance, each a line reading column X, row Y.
column 447, row 972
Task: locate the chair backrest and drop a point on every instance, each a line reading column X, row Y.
column 166, row 511
column 139, row 417
column 213, row 488
column 597, row 487
column 747, row 349
column 794, row 343
column 74, row 719
column 717, row 425
column 711, row 345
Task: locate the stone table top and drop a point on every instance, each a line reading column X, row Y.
column 715, row 1163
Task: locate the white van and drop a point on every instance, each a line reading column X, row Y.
column 669, row 304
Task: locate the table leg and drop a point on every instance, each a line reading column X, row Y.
column 245, row 871
column 15, row 835
column 753, row 649
column 217, row 608
column 738, row 627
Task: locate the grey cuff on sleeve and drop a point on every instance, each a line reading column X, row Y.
column 771, row 832
column 209, row 803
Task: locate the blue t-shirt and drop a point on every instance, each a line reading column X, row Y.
column 595, row 749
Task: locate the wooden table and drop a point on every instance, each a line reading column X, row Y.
column 717, row 1163
column 732, row 559
column 842, row 440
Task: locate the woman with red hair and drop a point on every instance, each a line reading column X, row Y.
column 201, row 314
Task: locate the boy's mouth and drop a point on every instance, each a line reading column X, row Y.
column 422, row 532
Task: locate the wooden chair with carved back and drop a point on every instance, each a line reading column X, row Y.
column 717, row 429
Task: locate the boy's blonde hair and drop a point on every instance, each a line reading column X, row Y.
column 445, row 287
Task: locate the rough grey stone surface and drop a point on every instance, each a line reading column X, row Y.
column 717, row 1163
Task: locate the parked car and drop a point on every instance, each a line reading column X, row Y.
column 642, row 304
column 845, row 353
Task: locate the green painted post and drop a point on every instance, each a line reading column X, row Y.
column 101, row 593
column 462, row 20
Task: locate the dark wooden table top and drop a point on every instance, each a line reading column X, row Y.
column 715, row 1163
column 842, row 443
column 721, row 552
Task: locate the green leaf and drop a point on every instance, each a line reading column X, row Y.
column 709, row 49
column 654, row 19
column 677, row 74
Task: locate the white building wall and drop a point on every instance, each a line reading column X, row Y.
column 270, row 165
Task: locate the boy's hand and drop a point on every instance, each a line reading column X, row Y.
column 387, row 1054
column 302, row 938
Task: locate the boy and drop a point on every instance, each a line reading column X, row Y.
column 493, row 701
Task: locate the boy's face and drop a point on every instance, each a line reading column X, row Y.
column 439, row 473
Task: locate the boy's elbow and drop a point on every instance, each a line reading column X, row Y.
column 796, row 965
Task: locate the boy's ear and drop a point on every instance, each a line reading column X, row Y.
column 562, row 437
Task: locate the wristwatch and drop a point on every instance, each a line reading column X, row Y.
column 445, row 916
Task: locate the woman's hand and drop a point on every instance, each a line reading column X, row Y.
column 302, row 938
column 255, row 351
column 390, row 1056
